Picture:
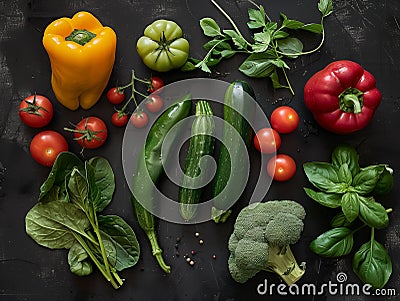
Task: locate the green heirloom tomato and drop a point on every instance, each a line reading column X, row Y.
column 162, row 47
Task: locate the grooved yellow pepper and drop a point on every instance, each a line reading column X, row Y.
column 82, row 54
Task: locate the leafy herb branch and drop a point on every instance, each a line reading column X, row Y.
column 270, row 47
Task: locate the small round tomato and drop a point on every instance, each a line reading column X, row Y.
column 90, row 132
column 46, row 146
column 156, row 84
column 139, row 119
column 281, row 167
column 115, row 96
column 267, row 141
column 154, row 103
column 36, row 111
column 119, row 119
column 284, row 119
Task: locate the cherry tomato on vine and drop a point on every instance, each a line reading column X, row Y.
column 267, row 141
column 281, row 167
column 46, row 146
column 115, row 96
column 139, row 119
column 36, row 111
column 90, row 132
column 156, row 83
column 119, row 120
column 284, row 119
column 154, row 103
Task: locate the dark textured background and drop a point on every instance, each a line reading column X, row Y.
column 366, row 31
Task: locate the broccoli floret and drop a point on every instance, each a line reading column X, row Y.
column 261, row 238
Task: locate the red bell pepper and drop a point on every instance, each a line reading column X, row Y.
column 342, row 97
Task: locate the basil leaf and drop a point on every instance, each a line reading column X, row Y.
column 115, row 230
column 190, row 64
column 52, row 224
column 104, row 180
column 258, row 65
column 78, row 260
column 210, row 27
column 324, row 176
column 219, row 45
column 291, row 47
column 238, row 40
column 62, row 166
column 344, row 154
column 257, row 17
column 291, row 24
column 313, row 27
column 279, row 35
column 365, row 181
column 227, row 53
column 326, row 199
column 345, row 174
column 372, row 264
column 350, row 205
column 280, row 63
column 340, row 220
column 333, row 243
column 325, row 7
column 263, row 37
column 373, row 213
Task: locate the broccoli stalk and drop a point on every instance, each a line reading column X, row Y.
column 261, row 238
column 284, row 264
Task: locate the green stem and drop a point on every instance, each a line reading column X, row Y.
column 157, row 252
column 230, row 21
column 80, row 37
column 289, row 86
column 100, row 240
column 94, row 259
column 312, row 50
column 208, row 54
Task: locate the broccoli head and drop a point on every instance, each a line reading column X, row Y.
column 261, row 238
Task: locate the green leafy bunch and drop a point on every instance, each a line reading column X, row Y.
column 67, row 216
column 344, row 184
column 271, row 44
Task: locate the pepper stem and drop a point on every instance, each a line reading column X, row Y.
column 351, row 100
column 80, row 36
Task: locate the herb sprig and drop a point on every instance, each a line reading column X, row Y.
column 271, row 44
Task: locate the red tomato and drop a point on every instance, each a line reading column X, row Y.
column 115, row 96
column 284, row 119
column 36, row 111
column 267, row 141
column 119, row 120
column 156, row 83
column 154, row 103
column 91, row 132
column 139, row 120
column 46, row 146
column 281, row 167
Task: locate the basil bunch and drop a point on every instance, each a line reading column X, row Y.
column 271, row 44
column 67, row 216
column 343, row 183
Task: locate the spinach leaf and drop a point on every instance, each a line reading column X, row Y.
column 55, row 182
column 291, row 47
column 120, row 234
column 350, row 205
column 210, row 27
column 340, row 220
column 335, row 242
column 324, row 176
column 78, row 260
column 365, row 181
column 372, row 264
column 78, row 190
column 104, row 180
column 51, row 224
column 258, row 65
column 330, row 200
column 344, row 154
column 373, row 213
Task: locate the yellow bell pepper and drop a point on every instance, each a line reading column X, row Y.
column 82, row 53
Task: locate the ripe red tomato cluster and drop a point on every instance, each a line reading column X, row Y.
column 284, row 120
column 139, row 119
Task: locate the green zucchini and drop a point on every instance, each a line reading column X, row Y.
column 201, row 144
column 231, row 158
